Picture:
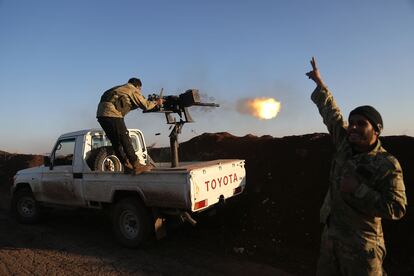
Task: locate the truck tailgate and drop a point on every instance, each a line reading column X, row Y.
column 215, row 180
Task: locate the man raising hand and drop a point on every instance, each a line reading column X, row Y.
column 365, row 186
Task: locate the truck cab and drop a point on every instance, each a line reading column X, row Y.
column 72, row 155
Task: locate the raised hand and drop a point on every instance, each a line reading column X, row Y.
column 315, row 75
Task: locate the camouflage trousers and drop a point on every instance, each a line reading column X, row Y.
column 339, row 258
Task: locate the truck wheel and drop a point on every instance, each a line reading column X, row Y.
column 104, row 160
column 25, row 207
column 131, row 222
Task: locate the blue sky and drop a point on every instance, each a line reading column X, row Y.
column 57, row 57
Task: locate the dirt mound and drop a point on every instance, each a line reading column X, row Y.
column 278, row 216
column 9, row 165
column 277, row 219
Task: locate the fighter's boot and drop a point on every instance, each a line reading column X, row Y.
column 128, row 168
column 139, row 169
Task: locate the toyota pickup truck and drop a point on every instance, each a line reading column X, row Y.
column 82, row 171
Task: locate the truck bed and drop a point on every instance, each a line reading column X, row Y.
column 193, row 165
column 179, row 188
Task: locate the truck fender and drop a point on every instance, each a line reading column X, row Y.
column 121, row 194
column 20, row 186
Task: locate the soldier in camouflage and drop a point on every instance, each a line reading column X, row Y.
column 365, row 185
column 115, row 103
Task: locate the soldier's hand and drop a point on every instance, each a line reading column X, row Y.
column 349, row 184
column 315, row 75
column 160, row 101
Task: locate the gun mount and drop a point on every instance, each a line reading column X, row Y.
column 178, row 105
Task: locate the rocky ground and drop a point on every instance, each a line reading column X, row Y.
column 273, row 227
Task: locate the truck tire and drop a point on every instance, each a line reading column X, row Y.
column 25, row 207
column 131, row 222
column 103, row 159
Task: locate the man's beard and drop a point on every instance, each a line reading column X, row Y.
column 361, row 142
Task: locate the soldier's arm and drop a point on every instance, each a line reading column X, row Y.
column 139, row 101
column 387, row 201
column 330, row 112
column 325, row 102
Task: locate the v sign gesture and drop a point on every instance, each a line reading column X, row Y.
column 314, row 74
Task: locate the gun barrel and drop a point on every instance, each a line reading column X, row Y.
column 207, row 104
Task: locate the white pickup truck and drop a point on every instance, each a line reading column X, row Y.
column 82, row 171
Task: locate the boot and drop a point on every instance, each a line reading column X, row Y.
column 128, row 168
column 139, row 169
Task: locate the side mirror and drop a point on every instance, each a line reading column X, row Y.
column 46, row 161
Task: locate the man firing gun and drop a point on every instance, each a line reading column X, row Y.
column 115, row 103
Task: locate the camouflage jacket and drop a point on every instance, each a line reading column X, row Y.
column 381, row 190
column 119, row 100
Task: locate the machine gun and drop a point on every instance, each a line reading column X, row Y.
column 178, row 105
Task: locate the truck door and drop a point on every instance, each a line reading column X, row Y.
column 57, row 179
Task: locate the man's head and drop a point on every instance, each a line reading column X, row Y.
column 365, row 125
column 135, row 82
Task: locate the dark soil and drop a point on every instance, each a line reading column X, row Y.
column 277, row 219
column 274, row 224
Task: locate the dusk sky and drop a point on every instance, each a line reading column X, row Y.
column 58, row 57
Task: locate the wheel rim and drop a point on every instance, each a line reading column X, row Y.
column 27, row 207
column 129, row 224
column 109, row 163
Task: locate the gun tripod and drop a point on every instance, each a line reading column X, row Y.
column 174, row 143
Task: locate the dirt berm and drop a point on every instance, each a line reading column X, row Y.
column 277, row 219
column 274, row 223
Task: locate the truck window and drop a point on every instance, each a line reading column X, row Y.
column 63, row 154
column 141, row 142
column 99, row 141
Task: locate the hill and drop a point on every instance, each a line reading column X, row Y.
column 277, row 219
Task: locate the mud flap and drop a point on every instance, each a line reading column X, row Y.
column 159, row 228
column 187, row 217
